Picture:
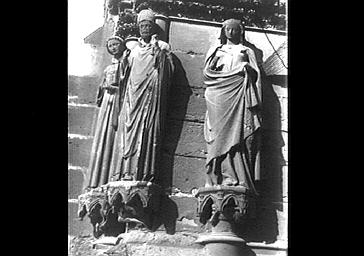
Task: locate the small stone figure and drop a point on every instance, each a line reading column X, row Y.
column 233, row 99
column 109, row 101
column 137, row 146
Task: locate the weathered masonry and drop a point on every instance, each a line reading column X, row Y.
column 184, row 148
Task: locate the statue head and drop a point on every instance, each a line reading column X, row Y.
column 146, row 23
column 232, row 30
column 115, row 45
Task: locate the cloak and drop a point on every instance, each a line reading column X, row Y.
column 106, row 123
column 140, row 131
column 233, row 100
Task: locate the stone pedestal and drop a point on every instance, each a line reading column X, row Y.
column 115, row 206
column 223, row 207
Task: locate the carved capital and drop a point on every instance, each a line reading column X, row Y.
column 111, row 206
column 224, row 207
column 222, row 203
column 94, row 204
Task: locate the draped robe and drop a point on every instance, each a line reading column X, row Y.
column 232, row 122
column 106, row 124
column 137, row 146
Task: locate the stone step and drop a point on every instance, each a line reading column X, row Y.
column 81, row 119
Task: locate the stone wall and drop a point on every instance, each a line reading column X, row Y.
column 184, row 149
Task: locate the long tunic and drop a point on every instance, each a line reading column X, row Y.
column 106, row 124
column 137, row 146
column 233, row 99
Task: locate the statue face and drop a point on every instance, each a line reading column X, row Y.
column 145, row 28
column 115, row 46
column 232, row 31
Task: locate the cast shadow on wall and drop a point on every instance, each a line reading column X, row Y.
column 264, row 225
column 179, row 94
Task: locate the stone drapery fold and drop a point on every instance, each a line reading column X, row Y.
column 138, row 140
column 233, row 100
column 106, row 123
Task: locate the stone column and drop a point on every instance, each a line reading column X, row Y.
column 223, row 207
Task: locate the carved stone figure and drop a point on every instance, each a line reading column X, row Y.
column 109, row 101
column 233, row 99
column 137, row 147
column 126, row 151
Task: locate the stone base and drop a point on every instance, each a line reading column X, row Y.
column 142, row 243
column 221, row 237
column 223, row 243
column 223, row 207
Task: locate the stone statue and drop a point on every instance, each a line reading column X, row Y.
column 233, row 99
column 127, row 153
column 137, row 147
column 109, row 101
